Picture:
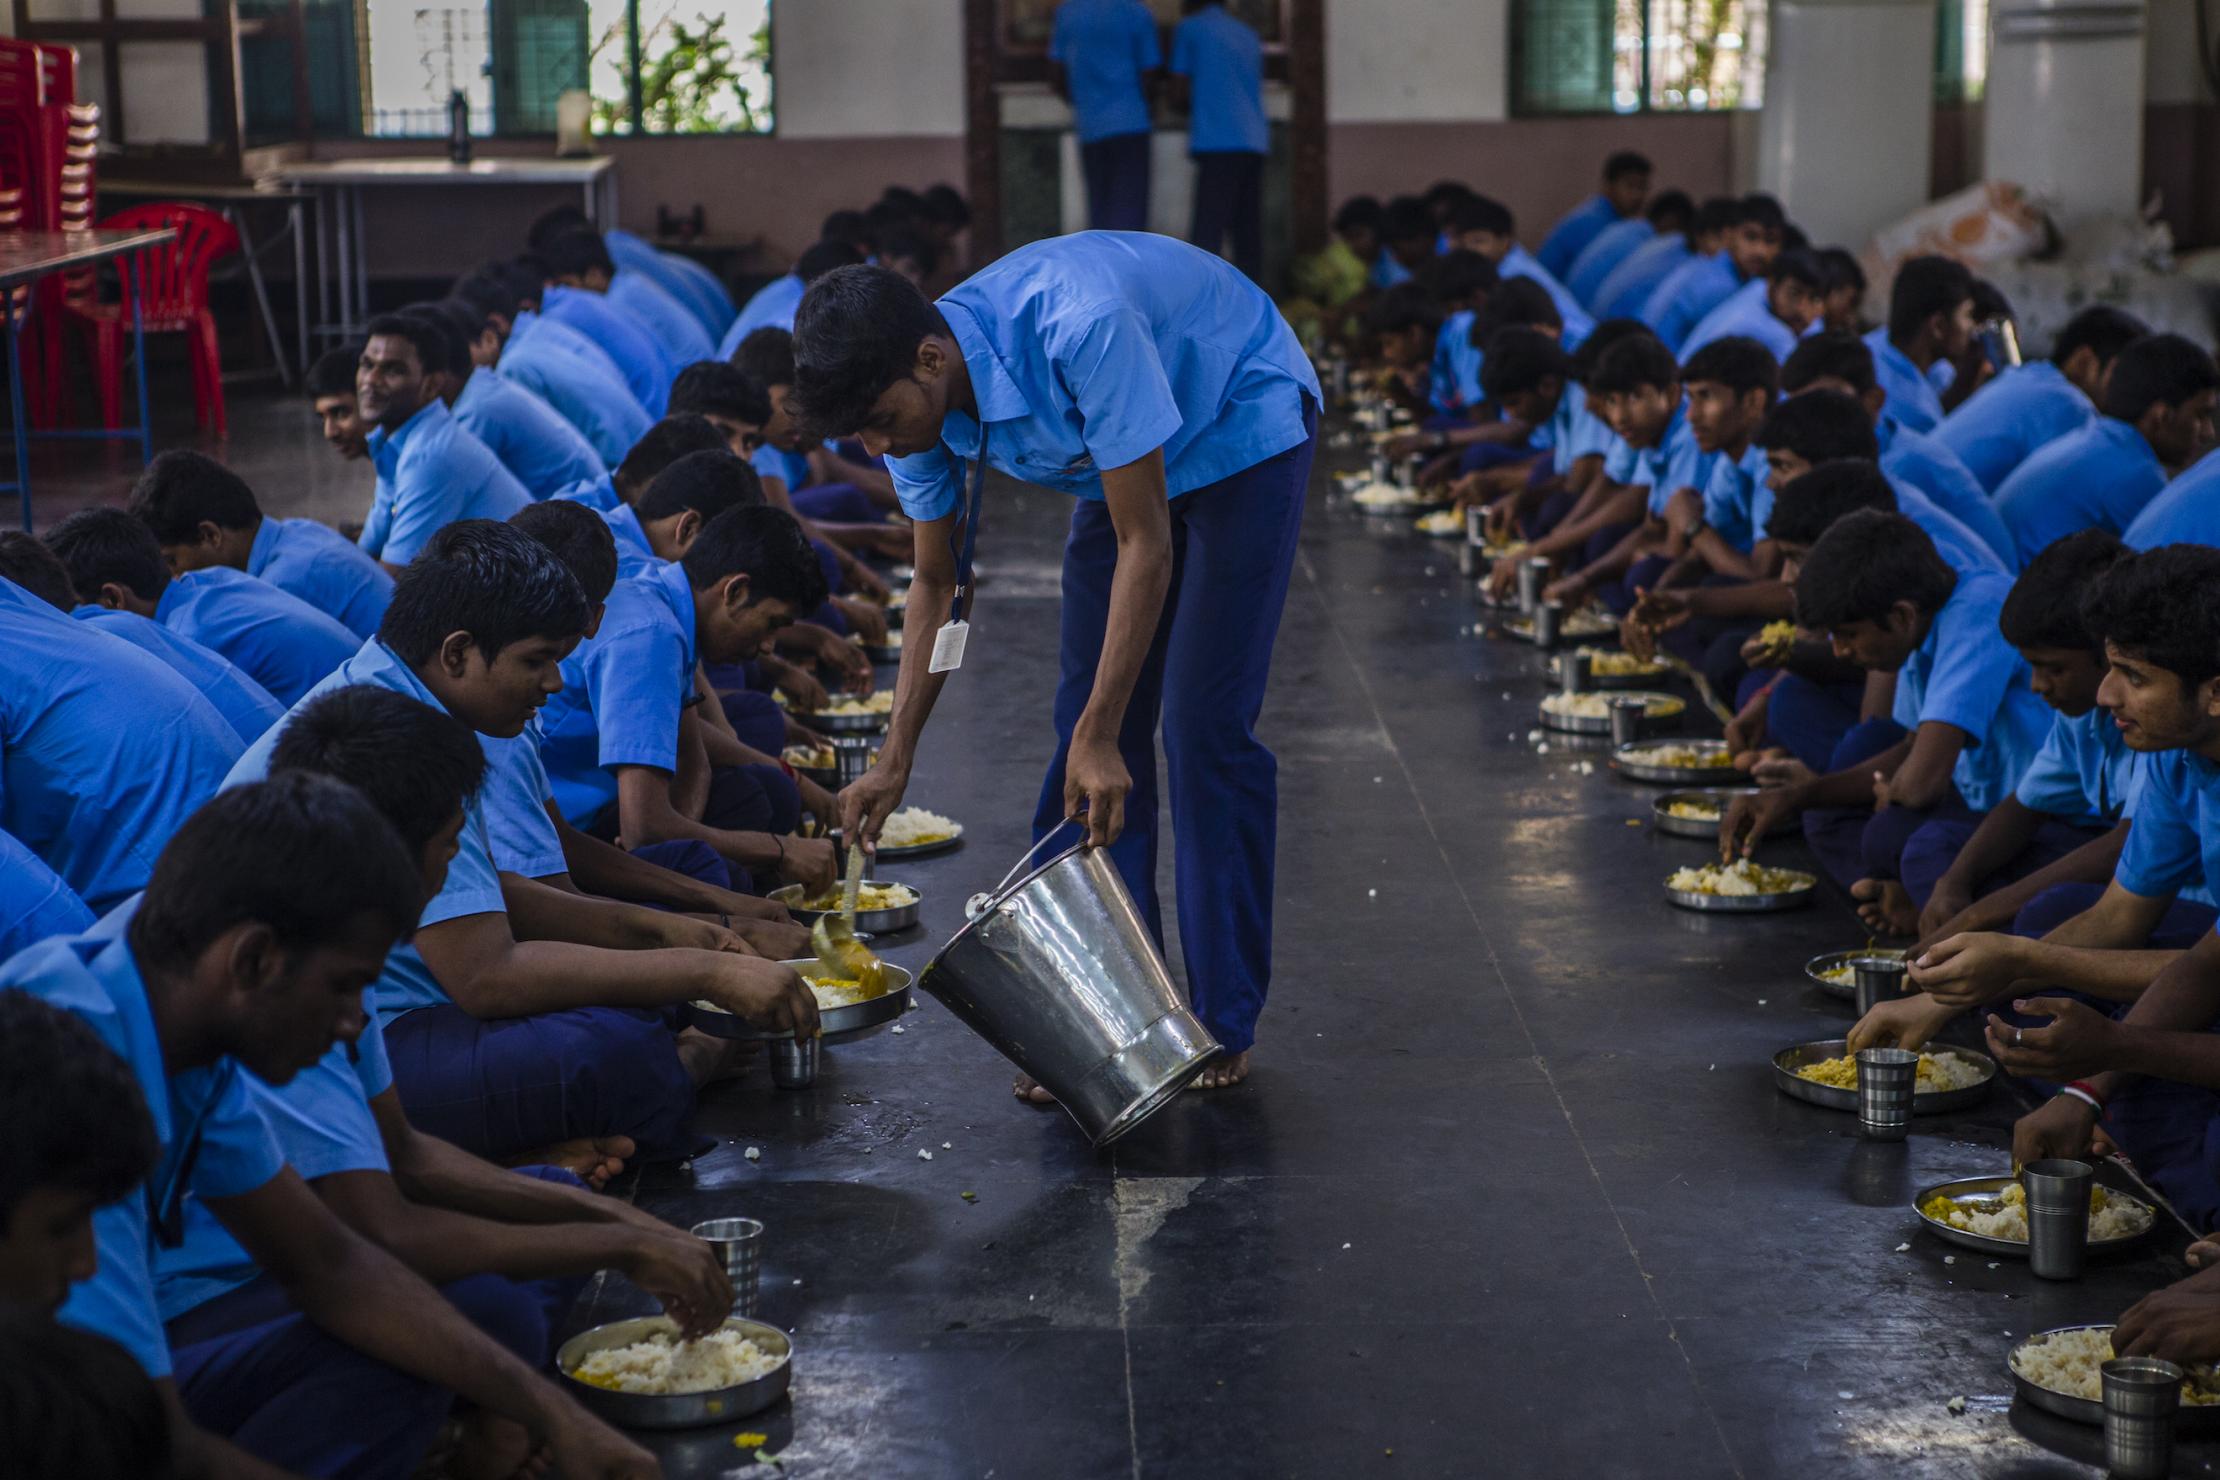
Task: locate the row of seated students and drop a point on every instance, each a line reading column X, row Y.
column 1997, row 720
column 350, row 888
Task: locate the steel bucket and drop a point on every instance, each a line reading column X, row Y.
column 1058, row 972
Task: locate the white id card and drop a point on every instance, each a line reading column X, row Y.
column 948, row 647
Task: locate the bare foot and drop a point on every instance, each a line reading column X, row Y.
column 1029, row 1090
column 709, row 1058
column 593, row 1159
column 488, row 1446
column 2204, row 1253
column 1885, row 907
column 1223, row 1073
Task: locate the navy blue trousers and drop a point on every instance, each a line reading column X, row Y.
column 1930, row 851
column 1233, row 547
column 1229, row 202
column 837, row 503
column 1856, row 843
column 1117, row 171
column 1810, row 719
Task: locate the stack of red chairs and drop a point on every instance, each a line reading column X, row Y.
column 49, row 144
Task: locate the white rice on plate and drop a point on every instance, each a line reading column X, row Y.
column 664, row 1365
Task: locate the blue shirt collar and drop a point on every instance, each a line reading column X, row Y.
column 386, row 447
column 993, row 391
column 669, row 581
column 264, row 546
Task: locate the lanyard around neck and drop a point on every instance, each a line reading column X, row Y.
column 965, row 547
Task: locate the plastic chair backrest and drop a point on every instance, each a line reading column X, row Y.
column 175, row 276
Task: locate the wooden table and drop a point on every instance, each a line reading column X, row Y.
column 338, row 186
column 27, row 256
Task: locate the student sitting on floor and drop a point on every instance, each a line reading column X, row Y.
column 2186, row 511
column 2034, row 404
column 245, row 705
column 203, row 514
column 1331, row 284
column 575, row 270
column 1561, row 489
column 2157, row 420
column 1776, row 310
column 35, row 902
column 280, row 642
column 1841, row 289
column 1914, row 353
column 1408, row 240
column 330, row 384
column 521, row 1017
column 1626, row 185
column 1666, row 215
column 1701, row 284
column 1461, row 282
column 1714, row 530
column 270, row 909
column 560, row 366
column 766, row 311
column 1964, row 723
column 821, row 486
column 531, row 438
column 663, row 443
column 431, row 471
column 1485, row 226
column 1402, row 324
column 683, row 280
column 1626, row 292
column 558, row 236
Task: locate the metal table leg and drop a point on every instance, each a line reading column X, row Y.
column 138, row 355
column 300, row 279
column 362, row 259
column 324, row 320
column 18, row 422
column 261, row 291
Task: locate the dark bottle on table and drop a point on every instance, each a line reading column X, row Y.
column 458, row 127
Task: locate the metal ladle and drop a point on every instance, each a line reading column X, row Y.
column 833, row 937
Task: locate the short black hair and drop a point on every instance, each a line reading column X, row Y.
column 1863, row 565
column 855, row 334
column 945, row 206
column 764, row 544
column 304, row 855
column 183, row 489
column 77, row 1120
column 1762, row 210
column 1458, row 274
column 1625, row 162
column 1669, row 210
column 488, row 291
column 2161, row 606
column 1834, row 354
column 1482, row 213
column 1989, row 301
column 1808, row 505
column 1441, row 193
column 1717, row 213
column 706, row 482
column 72, row 1403
column 32, row 566
column 1839, row 269
column 2044, row 607
column 1360, row 211
column 767, row 356
column 1519, row 360
column 1797, row 265
column 1404, row 307
column 913, row 242
column 1634, row 362
column 451, row 353
column 579, row 537
column 1924, row 287
column 575, row 253
column 1739, row 363
column 1599, row 340
column 719, row 388
column 333, row 374
column 1820, row 426
column 481, row 577
column 416, row 764
column 97, row 546
column 820, row 258
column 1407, row 219
column 2103, row 329
column 428, row 337
column 2157, row 370
column 845, row 226
column 1515, row 303
column 556, row 221
column 665, row 443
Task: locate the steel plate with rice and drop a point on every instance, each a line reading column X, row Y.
column 1608, row 668
column 638, row 1339
column 1590, row 714
column 1587, row 622
column 896, row 914
column 1739, row 888
column 2045, row 1363
column 1695, row 814
column 837, row 1019
column 1676, row 762
column 1835, row 973
column 1971, row 1073
column 2116, row 1219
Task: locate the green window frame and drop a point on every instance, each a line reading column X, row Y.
column 1636, row 56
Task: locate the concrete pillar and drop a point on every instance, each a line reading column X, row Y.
column 1844, row 135
column 2065, row 103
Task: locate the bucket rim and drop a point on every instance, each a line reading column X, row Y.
column 995, row 900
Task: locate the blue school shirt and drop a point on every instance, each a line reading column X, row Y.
column 1747, row 312
column 543, row 451
column 1223, row 61
column 1961, row 549
column 1105, row 47
column 473, row 885
column 772, row 307
column 790, row 468
column 681, row 276
column 1964, row 673
column 2084, row 773
column 1387, row 272
column 431, row 473
column 1737, row 501
column 104, row 750
column 1456, row 372
column 1676, row 462
column 634, row 554
column 1518, row 262
column 212, row 1141
column 2100, row 477
column 1573, row 431
column 624, row 691
column 1574, row 231
column 579, row 381
column 2174, row 843
column 1911, row 457
column 641, row 359
column 514, row 797
column 1913, row 398
column 279, row 641
column 1689, row 291
column 35, row 903
column 324, row 568
column 1602, row 257
column 2186, row 511
column 1623, row 294
column 674, row 326
column 2000, row 425
column 1093, row 350
column 245, row 705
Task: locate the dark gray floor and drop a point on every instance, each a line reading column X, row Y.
column 1510, row 1194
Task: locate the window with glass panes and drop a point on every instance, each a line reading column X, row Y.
column 1637, row 56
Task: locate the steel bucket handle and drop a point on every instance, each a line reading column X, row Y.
column 977, row 904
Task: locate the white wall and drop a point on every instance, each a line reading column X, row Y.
column 868, row 68
column 1844, row 136
column 1417, row 61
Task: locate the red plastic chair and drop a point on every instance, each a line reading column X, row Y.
column 176, row 301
